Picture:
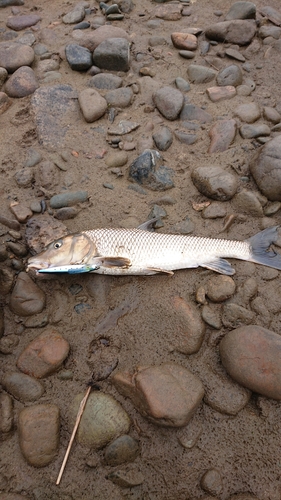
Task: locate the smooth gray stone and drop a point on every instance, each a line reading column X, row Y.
column 105, row 81
column 68, row 199
column 241, row 10
column 79, row 58
column 163, row 138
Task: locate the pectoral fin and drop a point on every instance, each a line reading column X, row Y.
column 122, row 262
column 221, row 266
column 149, row 224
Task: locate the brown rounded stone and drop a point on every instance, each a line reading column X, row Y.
column 26, row 298
column 220, row 288
column 251, row 356
column 5, row 102
column 184, row 41
column 14, row 55
column 44, row 355
column 39, row 433
column 22, row 83
column 222, row 134
column 190, row 332
column 168, row 394
column 265, row 167
column 18, row 23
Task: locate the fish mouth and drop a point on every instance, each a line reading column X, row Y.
column 36, row 266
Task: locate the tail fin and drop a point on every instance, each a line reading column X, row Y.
column 259, row 244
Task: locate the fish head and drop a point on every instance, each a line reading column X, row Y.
column 72, row 249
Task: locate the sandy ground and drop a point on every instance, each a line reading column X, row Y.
column 244, row 448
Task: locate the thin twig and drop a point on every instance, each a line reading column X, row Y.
column 77, row 422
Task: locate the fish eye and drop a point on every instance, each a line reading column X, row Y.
column 57, row 244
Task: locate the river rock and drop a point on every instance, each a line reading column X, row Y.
column 102, row 421
column 79, row 58
column 75, row 16
column 265, row 167
column 220, row 288
column 7, row 3
column 5, row 102
column 68, row 199
column 222, row 134
column 235, row 54
column 22, row 83
column 163, row 138
column 169, row 102
column 184, row 137
column 271, row 114
column 185, row 41
column 121, row 98
column 269, row 30
column 52, row 128
column 223, row 394
column 200, row 74
column 3, row 76
column 192, row 112
column 187, row 54
column 170, row 12
column 248, row 113
column 18, row 23
column 14, row 55
column 44, row 355
column 92, row 104
column 123, row 449
column 99, row 35
column 128, row 478
column 234, row 315
column 168, row 394
column 182, row 84
column 248, row 202
column 6, row 414
column 189, row 327
column 252, row 131
column 22, row 386
column 39, row 433
column 147, row 169
column 240, row 352
column 272, row 14
column 26, row 298
column 105, row 81
column 113, row 54
column 116, row 159
column 231, row 75
column 214, row 182
column 235, row 31
column 211, row 481
column 241, row 10
column 217, row 94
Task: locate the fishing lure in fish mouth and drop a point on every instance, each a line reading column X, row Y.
column 71, row 269
column 141, row 252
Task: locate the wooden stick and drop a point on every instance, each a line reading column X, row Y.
column 77, row 422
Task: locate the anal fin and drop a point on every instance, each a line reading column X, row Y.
column 221, row 266
column 158, row 270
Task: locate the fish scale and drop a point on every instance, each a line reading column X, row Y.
column 167, row 252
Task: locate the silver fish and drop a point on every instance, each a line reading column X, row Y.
column 140, row 252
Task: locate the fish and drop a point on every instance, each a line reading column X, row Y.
column 139, row 251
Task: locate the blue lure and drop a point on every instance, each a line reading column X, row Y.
column 72, row 269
